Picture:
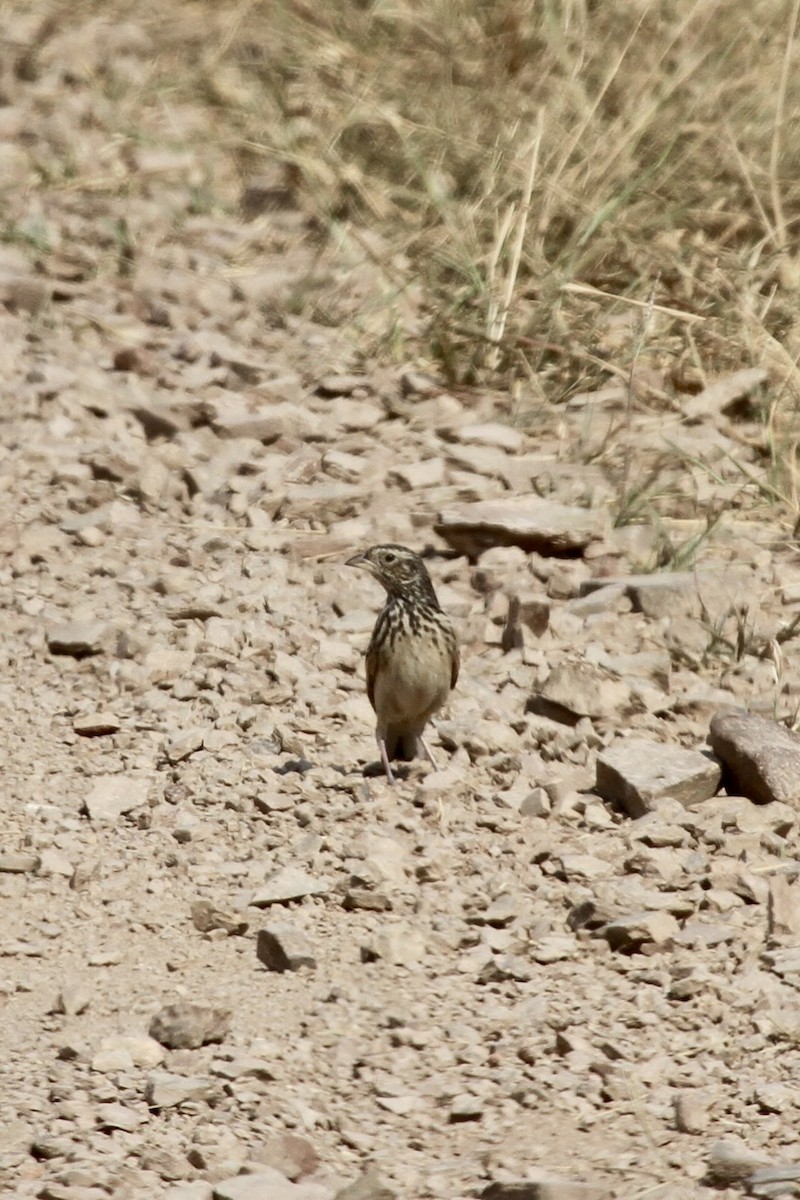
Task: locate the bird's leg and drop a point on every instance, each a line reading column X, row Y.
column 428, row 753
column 385, row 760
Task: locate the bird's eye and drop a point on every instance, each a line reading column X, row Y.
column 390, row 558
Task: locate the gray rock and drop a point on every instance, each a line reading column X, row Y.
column 186, row 1026
column 78, row 639
column 111, row 796
column 529, row 522
column 637, row 773
column 284, row 948
column 731, row 1162
column 777, row 1181
column 761, row 758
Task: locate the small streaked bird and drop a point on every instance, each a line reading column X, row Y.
column 412, row 657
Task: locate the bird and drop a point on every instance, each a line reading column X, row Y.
column 412, row 659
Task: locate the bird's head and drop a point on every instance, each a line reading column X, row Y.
column 399, row 570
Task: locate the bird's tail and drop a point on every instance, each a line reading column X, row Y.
column 401, row 746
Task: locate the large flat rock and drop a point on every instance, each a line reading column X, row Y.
column 529, row 522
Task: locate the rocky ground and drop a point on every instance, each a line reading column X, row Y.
column 236, row 963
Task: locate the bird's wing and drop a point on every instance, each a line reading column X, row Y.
column 372, row 670
column 455, row 665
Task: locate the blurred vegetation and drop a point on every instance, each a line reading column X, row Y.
column 553, row 194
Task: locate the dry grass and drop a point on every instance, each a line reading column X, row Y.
column 524, row 179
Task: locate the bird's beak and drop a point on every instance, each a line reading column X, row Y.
column 358, row 560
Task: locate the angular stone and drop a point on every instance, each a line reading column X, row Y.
column 368, row 1186
column 413, row 476
column 73, row 998
column 731, row 1162
column 491, row 433
column 16, row 862
column 401, row 945
column 118, row 1116
column 766, row 1181
column 97, row 724
column 356, row 898
column 584, row 690
column 168, row 1164
column 342, row 385
column 529, row 522
column 288, row 883
column 269, row 1184
column 143, row 1051
column 637, row 773
column 78, row 639
column 502, row 911
column 773, row 1097
column 205, row 917
column 691, row 1112
column 53, row 862
column 198, row 1189
column 230, row 417
column 783, row 907
column 111, row 796
column 554, row 947
column 586, row 867
column 284, row 948
column 465, row 1107
column 184, row 746
column 652, row 929
column 545, row 1187
column 165, row 1090
column 186, row 1026
column 295, row 1156
column 761, row 758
